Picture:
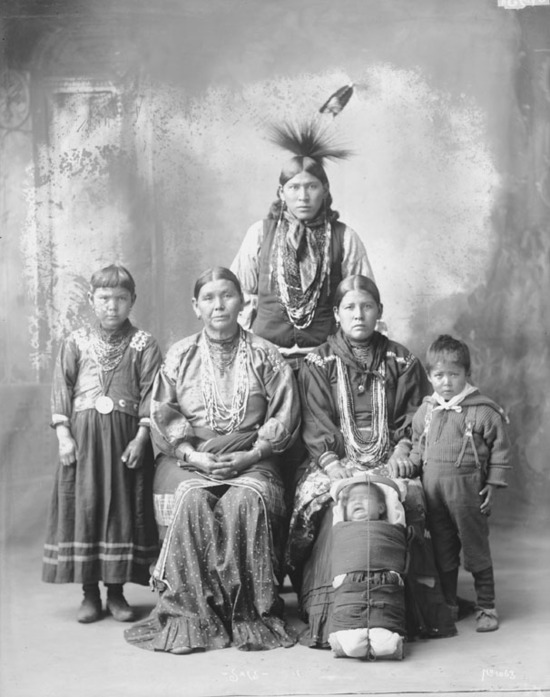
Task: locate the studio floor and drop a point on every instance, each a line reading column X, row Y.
column 46, row 653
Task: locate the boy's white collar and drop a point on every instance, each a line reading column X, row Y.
column 454, row 403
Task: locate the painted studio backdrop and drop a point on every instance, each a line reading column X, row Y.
column 136, row 132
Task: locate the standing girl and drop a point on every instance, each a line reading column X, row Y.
column 101, row 524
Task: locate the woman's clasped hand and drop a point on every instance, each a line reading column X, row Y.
column 222, row 466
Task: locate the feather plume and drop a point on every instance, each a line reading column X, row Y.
column 307, row 139
column 337, row 101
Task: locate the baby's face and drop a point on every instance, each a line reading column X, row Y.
column 363, row 504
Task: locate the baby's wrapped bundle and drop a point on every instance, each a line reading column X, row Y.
column 369, row 557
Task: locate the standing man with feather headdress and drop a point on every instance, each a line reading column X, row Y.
column 290, row 264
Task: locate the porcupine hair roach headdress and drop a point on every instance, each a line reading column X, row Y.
column 311, row 146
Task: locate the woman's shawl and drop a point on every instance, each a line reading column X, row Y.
column 227, row 443
column 341, row 347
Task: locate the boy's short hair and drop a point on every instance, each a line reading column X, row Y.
column 113, row 276
column 445, row 345
column 374, row 489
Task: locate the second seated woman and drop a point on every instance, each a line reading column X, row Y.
column 224, row 407
column 359, row 391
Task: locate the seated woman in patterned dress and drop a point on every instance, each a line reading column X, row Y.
column 359, row 391
column 224, row 407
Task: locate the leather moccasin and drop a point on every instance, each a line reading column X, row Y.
column 89, row 610
column 119, row 609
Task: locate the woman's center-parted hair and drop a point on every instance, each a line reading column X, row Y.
column 447, row 348
column 356, row 282
column 216, row 273
column 113, row 276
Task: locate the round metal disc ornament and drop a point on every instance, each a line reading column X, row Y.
column 104, row 404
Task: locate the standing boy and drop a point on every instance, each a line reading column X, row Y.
column 460, row 446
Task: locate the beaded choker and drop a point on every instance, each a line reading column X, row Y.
column 223, row 351
column 362, row 353
column 108, row 349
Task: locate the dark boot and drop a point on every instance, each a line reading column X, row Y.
column 465, row 607
column 117, row 605
column 484, row 583
column 449, row 583
column 90, row 608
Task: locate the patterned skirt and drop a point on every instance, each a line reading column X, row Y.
column 217, row 570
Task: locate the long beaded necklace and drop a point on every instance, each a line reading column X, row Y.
column 217, row 411
column 107, row 351
column 369, row 451
column 300, row 307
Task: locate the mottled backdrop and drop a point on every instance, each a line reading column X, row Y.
column 135, row 132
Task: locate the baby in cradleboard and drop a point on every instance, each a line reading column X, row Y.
column 369, row 558
column 461, row 449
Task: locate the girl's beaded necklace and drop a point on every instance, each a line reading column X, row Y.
column 218, row 357
column 108, row 350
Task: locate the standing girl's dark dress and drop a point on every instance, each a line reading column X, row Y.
column 101, row 524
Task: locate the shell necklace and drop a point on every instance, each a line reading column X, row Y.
column 217, row 412
column 367, row 451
